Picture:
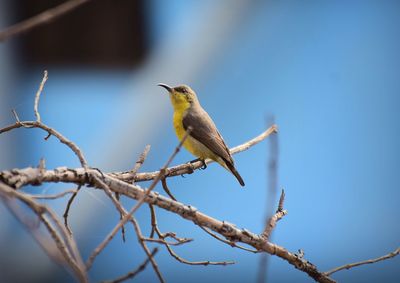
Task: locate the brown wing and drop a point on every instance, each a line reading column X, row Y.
column 205, row 131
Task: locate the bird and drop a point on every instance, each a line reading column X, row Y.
column 204, row 140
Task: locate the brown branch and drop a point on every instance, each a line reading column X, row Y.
column 135, row 272
column 229, row 231
column 369, row 261
column 41, row 19
column 20, row 177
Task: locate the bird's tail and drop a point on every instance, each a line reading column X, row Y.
column 232, row 168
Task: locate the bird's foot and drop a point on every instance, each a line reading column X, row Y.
column 199, row 159
column 204, row 164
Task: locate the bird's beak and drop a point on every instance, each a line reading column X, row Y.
column 167, row 87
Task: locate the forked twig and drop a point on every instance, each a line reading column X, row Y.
column 163, row 236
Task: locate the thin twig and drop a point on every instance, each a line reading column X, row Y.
column 141, row 159
column 369, row 261
column 279, row 214
column 146, row 249
column 166, row 189
column 135, row 272
column 117, row 197
column 206, row 262
column 55, row 196
column 51, row 131
column 41, row 19
column 65, row 215
column 164, row 242
column 166, row 235
column 37, row 96
column 163, row 236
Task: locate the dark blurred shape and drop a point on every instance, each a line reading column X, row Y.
column 101, row 33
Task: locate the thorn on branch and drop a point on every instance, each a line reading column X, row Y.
column 281, row 201
column 47, row 137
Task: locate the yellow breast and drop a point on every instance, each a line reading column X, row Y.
column 191, row 144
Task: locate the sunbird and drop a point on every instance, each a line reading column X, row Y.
column 204, row 141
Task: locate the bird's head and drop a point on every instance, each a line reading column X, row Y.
column 182, row 97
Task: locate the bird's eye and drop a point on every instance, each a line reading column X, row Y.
column 183, row 90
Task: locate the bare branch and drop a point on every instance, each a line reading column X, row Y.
column 41, row 19
column 369, row 261
column 37, row 97
column 51, row 131
column 135, row 272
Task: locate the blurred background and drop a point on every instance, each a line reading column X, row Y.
column 327, row 71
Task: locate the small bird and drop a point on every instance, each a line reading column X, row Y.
column 204, row 140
